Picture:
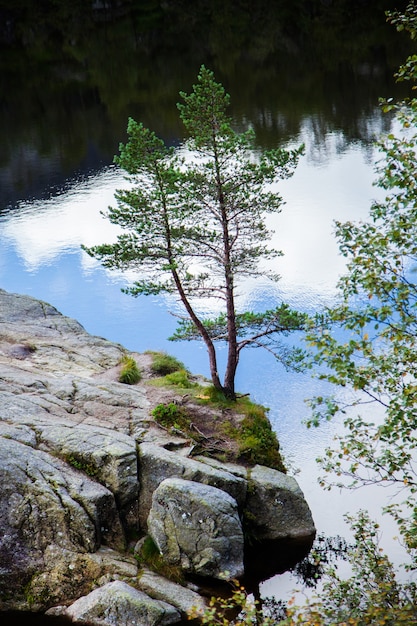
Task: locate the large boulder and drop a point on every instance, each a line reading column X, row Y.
column 45, row 503
column 275, row 507
column 156, row 464
column 119, row 604
column 197, row 527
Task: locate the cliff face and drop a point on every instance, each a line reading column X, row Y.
column 84, row 469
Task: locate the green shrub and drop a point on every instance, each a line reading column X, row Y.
column 129, row 373
column 163, row 364
column 180, row 378
column 171, row 416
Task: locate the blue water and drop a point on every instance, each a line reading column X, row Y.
column 40, row 255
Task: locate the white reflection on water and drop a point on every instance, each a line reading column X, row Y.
column 43, row 230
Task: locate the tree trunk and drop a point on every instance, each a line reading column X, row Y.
column 215, row 379
column 232, row 353
column 229, row 379
column 194, row 318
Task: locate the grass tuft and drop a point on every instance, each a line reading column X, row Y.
column 130, row 373
column 163, row 363
column 180, row 378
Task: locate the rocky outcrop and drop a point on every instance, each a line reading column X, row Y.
column 198, row 528
column 274, row 505
column 83, row 468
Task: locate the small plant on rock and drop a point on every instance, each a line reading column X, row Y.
column 81, row 464
column 180, row 378
column 163, row 363
column 130, row 373
column 171, row 416
column 150, row 556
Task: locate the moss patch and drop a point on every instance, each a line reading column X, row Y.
column 172, row 415
column 258, row 444
column 150, row 556
column 84, row 466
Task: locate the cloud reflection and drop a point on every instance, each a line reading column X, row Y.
column 42, row 231
column 341, row 190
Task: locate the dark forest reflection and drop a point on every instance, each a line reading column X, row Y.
column 72, row 73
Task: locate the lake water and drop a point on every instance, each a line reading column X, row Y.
column 41, row 256
column 52, row 197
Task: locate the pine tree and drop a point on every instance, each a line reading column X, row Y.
column 194, row 225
